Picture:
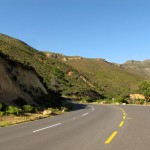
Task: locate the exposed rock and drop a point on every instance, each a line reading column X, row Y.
column 140, row 67
column 16, row 81
column 52, row 55
column 137, row 96
column 70, row 73
column 72, row 58
column 47, row 112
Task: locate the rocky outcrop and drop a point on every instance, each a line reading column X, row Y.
column 53, row 55
column 62, row 57
column 140, row 67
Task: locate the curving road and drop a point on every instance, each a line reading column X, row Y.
column 91, row 127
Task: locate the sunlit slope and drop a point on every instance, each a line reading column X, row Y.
column 111, row 78
column 54, row 74
column 140, row 67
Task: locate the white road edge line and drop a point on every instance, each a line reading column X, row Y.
column 93, row 108
column 85, row 114
column 47, row 127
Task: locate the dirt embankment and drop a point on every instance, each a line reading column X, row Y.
column 15, row 81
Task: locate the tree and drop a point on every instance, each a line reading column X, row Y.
column 144, row 88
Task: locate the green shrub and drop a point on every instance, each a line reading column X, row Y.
column 64, row 109
column 140, row 101
column 108, row 101
column 120, row 100
column 14, row 110
column 99, row 100
column 85, row 100
column 28, row 109
column 2, row 113
column 59, row 73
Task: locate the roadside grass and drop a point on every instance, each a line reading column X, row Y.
column 11, row 119
column 7, row 119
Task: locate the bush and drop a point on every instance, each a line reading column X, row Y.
column 86, row 100
column 140, row 101
column 108, row 101
column 27, row 108
column 3, row 106
column 99, row 100
column 121, row 100
column 14, row 110
column 59, row 73
column 2, row 113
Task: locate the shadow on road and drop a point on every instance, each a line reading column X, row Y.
column 78, row 106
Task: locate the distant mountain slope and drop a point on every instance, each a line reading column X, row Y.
column 74, row 77
column 110, row 78
column 54, row 74
column 139, row 67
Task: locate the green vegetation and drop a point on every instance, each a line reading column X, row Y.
column 120, row 100
column 110, row 79
column 144, row 88
column 140, row 67
column 29, row 109
column 140, row 101
column 14, row 110
column 52, row 72
column 14, row 114
column 91, row 79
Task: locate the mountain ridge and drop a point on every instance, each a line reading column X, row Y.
column 72, row 76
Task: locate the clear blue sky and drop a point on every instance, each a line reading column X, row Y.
column 117, row 30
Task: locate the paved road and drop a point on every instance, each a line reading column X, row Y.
column 94, row 127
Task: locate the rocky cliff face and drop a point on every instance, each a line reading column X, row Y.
column 140, row 67
column 15, row 81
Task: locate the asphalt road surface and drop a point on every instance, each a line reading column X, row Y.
column 92, row 127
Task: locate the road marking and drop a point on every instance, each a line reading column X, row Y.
column 85, row 114
column 47, row 127
column 92, row 108
column 124, row 117
column 111, row 137
column 74, row 118
column 121, row 123
column 129, row 118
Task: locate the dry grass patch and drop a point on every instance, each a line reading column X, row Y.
column 13, row 119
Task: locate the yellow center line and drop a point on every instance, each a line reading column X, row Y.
column 124, row 113
column 121, row 123
column 111, row 137
column 124, row 117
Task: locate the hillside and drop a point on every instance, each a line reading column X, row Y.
column 109, row 78
column 55, row 75
column 16, row 81
column 72, row 77
column 140, row 67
